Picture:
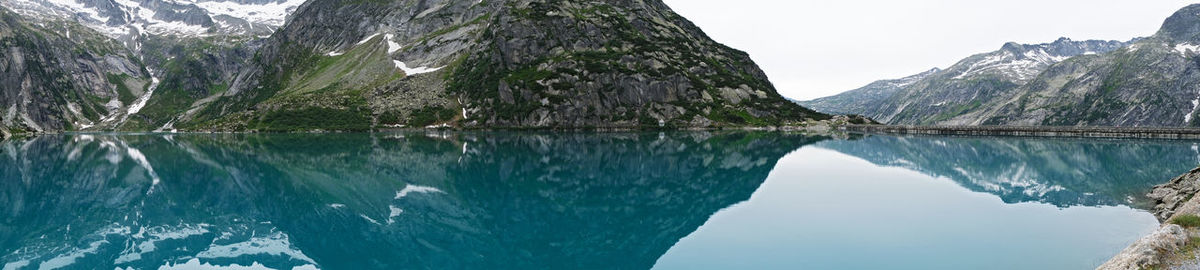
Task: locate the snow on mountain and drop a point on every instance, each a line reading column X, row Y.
column 128, row 19
column 1019, row 66
column 1023, row 62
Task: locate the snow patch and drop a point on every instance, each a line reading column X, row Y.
column 394, row 212
column 16, row 265
column 414, row 71
column 276, row 244
column 1187, row 119
column 141, row 160
column 415, row 189
column 273, row 13
column 369, row 38
column 195, row 263
column 1186, row 48
column 141, row 101
column 70, row 258
column 1021, row 67
column 158, row 234
column 392, row 45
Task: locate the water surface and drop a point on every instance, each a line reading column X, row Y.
column 686, row 200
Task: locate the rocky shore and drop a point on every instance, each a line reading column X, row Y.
column 1175, row 244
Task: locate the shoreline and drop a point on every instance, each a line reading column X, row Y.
column 1033, row 131
column 1176, row 243
column 815, row 128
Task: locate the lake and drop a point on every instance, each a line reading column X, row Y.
column 513, row 200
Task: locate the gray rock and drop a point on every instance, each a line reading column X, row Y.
column 1151, row 250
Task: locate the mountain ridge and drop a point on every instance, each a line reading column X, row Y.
column 939, row 96
column 1145, row 82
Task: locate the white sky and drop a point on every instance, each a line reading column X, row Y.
column 816, row 48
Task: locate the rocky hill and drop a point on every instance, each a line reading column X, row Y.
column 358, row 65
column 494, row 64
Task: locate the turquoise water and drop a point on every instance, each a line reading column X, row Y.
column 686, row 200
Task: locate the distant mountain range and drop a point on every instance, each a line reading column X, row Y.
column 1149, row 81
column 287, row 65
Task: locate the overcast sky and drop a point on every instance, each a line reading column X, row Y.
column 812, row 49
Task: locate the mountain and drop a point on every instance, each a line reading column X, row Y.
column 942, row 97
column 356, row 65
column 863, row 99
column 60, row 75
column 1151, row 82
column 193, row 47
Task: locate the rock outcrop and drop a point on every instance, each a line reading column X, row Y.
column 1150, row 251
column 1174, row 196
column 1172, row 246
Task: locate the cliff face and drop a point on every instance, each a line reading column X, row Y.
column 59, row 75
column 521, row 63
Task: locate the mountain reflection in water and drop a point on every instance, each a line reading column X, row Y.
column 500, row 200
column 371, row 201
column 1058, row 171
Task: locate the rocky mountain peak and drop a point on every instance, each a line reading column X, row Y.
column 1183, row 26
column 1061, row 48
